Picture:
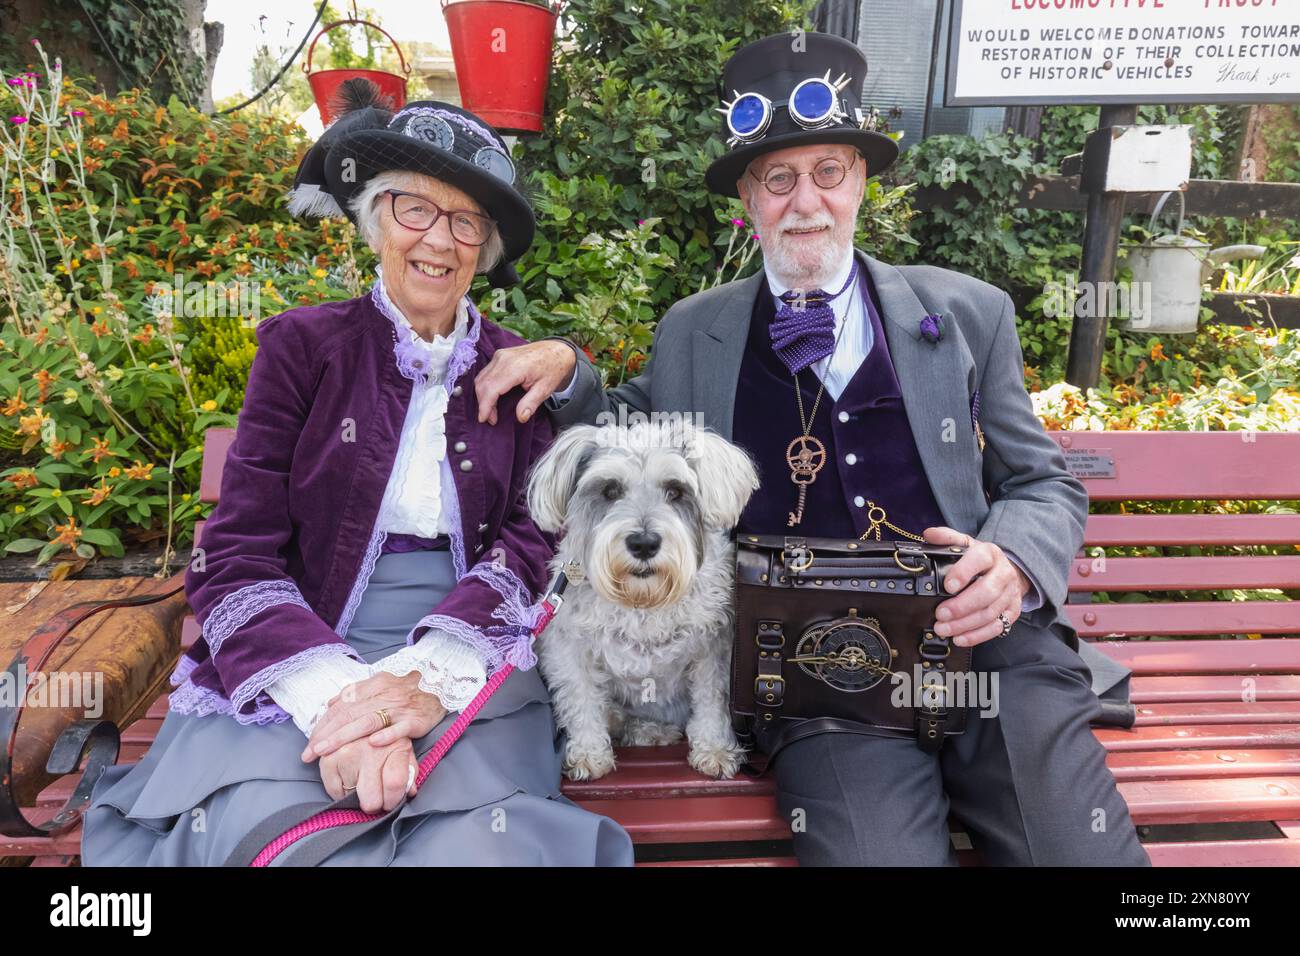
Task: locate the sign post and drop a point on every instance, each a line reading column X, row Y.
column 1118, row 54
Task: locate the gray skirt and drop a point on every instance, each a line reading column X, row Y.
column 493, row 800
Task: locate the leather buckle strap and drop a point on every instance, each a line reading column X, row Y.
column 769, row 683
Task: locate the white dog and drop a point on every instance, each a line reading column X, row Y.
column 641, row 646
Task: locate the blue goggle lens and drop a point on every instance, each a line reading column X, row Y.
column 747, row 114
column 813, row 101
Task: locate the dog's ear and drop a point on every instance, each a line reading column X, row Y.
column 727, row 477
column 554, row 476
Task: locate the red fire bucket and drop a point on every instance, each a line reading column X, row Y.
column 325, row 84
column 502, row 50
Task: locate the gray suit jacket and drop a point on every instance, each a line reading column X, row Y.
column 1017, row 493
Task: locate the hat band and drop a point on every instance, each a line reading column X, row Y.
column 435, row 127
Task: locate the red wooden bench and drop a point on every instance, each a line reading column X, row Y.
column 1210, row 772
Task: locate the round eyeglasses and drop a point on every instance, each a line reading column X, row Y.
column 828, row 173
column 814, row 103
column 416, row 212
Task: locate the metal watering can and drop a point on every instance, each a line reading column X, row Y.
column 1169, row 272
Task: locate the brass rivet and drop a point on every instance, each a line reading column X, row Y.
column 891, row 585
column 762, row 577
column 874, row 583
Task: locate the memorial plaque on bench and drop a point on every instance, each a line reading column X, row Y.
column 1089, row 462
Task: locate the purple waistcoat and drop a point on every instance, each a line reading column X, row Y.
column 285, row 556
column 867, row 421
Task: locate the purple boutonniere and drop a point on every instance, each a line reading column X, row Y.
column 932, row 328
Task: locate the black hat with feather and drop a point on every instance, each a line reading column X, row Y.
column 428, row 137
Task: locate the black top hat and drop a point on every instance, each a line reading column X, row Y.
column 429, row 137
column 794, row 89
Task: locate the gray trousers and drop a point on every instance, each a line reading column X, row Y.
column 1030, row 785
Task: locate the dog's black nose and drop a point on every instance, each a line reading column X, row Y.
column 644, row 544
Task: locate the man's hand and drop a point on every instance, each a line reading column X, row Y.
column 989, row 584
column 540, row 367
column 354, row 714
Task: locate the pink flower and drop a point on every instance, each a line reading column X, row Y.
column 18, row 120
column 15, row 81
column 640, row 222
column 754, row 236
column 738, row 223
column 78, row 112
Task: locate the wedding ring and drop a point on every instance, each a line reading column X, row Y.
column 1006, row 624
column 348, row 789
column 386, row 721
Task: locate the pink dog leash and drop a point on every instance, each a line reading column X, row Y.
column 328, row 819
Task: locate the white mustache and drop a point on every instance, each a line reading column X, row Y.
column 799, row 223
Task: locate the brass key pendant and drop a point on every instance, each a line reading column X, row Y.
column 805, row 455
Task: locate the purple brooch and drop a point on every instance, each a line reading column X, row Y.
column 932, row 328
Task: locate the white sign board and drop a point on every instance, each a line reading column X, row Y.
column 1013, row 52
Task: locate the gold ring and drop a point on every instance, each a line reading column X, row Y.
column 386, row 720
column 348, row 789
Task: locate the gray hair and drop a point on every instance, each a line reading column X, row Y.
column 366, row 209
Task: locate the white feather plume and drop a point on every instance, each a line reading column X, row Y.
column 309, row 200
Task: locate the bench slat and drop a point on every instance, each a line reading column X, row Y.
column 1162, row 466
column 1205, row 657
column 1230, row 800
column 1190, row 687
column 1184, row 530
column 1202, row 764
column 1192, row 736
column 1185, row 617
column 1219, row 712
column 1226, row 853
column 1185, row 574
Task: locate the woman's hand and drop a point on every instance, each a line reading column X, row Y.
column 379, row 775
column 354, row 714
column 986, row 583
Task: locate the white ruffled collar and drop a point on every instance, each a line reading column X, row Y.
column 425, row 357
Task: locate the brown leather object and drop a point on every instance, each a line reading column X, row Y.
column 858, row 601
column 135, row 649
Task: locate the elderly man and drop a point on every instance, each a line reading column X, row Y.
column 910, row 381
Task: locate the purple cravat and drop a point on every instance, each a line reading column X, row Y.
column 803, row 330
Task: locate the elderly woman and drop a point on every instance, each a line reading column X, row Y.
column 370, row 563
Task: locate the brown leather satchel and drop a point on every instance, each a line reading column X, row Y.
column 823, row 625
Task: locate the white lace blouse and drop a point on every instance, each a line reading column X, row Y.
column 449, row 668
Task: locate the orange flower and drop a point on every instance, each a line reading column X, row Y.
column 32, row 424
column 43, row 379
column 13, row 406
column 57, row 448
column 23, row 480
column 41, row 334
column 114, row 472
column 120, row 131
column 1158, row 353
column 100, row 450
column 138, row 470
column 145, row 335
column 69, row 534
column 101, row 329
column 98, row 495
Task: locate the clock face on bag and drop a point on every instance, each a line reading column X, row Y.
column 856, row 656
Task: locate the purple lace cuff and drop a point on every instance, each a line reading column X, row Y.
column 237, row 607
column 250, row 688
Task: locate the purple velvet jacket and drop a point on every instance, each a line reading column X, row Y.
column 286, row 555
